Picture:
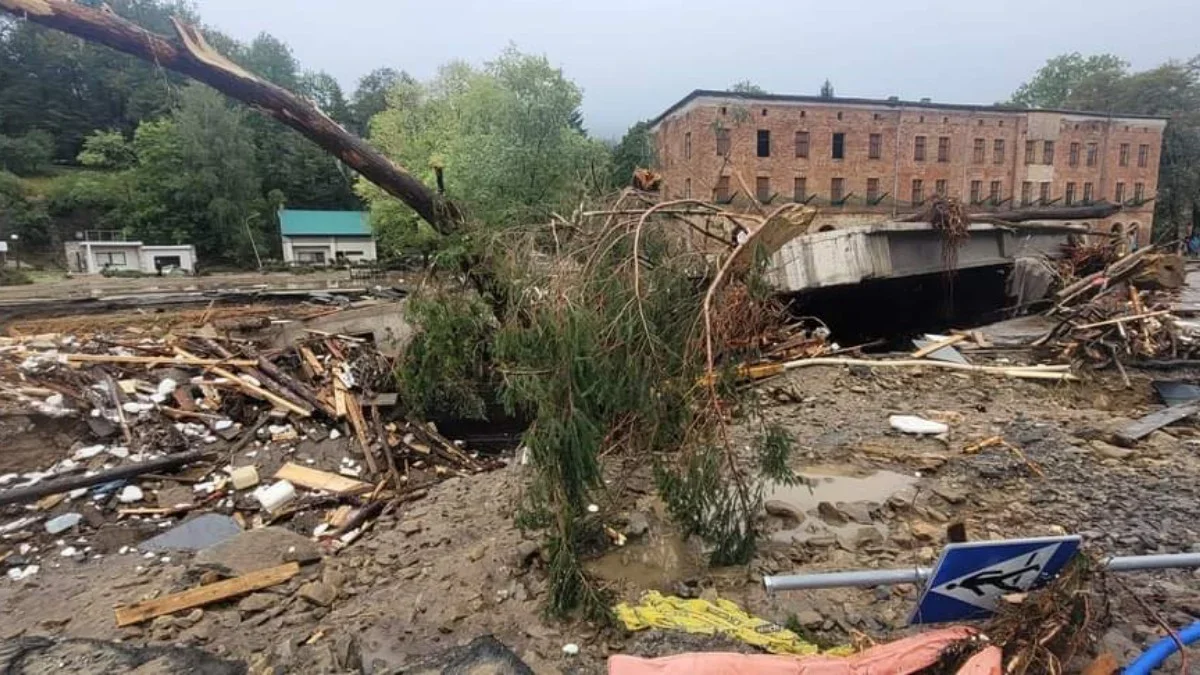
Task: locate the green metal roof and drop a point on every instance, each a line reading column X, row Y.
column 293, row 223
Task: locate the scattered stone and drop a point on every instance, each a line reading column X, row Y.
column 924, row 532
column 174, row 496
column 409, row 527
column 190, row 619
column 831, row 514
column 318, row 593
column 810, row 619
column 949, row 494
column 524, row 552
column 258, row 549
column 257, row 602
column 130, row 494
column 911, row 424
column 1108, row 451
column 785, row 510
column 63, row 523
column 201, row 532
column 859, row 512
column 637, row 524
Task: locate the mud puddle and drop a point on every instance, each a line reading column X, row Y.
column 838, row 506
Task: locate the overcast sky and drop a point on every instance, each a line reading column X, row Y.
column 634, row 58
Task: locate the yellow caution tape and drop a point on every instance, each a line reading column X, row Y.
column 720, row 617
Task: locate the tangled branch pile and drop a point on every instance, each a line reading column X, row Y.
column 626, row 329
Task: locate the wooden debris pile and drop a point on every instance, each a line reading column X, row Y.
column 190, row 422
column 1122, row 314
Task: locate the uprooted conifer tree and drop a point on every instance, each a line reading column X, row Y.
column 613, row 330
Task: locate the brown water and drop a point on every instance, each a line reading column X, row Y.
column 874, row 488
column 655, row 561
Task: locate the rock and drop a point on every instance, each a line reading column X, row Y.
column 258, row 549
column 859, row 512
column 346, row 653
column 62, row 523
column 924, row 532
column 409, row 527
column 130, row 494
column 1120, row 645
column 523, row 553
column 949, row 494
column 810, row 619
column 190, row 619
column 318, row 593
column 175, row 495
column 476, row 553
column 637, row 524
column 333, row 578
column 831, row 514
column 785, row 510
column 257, row 602
column 1108, row 451
column 866, row 536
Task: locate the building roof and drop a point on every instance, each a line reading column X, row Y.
column 889, row 102
column 294, row 223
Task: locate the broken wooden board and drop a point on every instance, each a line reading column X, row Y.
column 1147, row 425
column 315, row 479
column 205, row 595
column 937, row 345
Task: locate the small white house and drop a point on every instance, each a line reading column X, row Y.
column 93, row 257
column 326, row 237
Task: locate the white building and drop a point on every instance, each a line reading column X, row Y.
column 326, row 237
column 93, row 257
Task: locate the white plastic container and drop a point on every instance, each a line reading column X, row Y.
column 276, row 496
column 244, row 477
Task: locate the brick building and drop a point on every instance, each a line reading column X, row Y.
column 861, row 160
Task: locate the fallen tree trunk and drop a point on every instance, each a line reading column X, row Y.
column 191, row 55
column 53, row 487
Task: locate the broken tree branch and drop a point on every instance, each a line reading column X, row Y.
column 189, row 54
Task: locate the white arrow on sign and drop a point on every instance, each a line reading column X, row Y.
column 984, row 588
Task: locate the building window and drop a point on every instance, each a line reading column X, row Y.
column 1047, row 152
column 976, row 191
column 764, row 112
column 839, row 145
column 687, row 188
column 979, row 151
column 110, row 258
column 839, row 116
column 940, row 187
column 1139, row 193
column 800, row 189
column 1143, row 155
column 918, row 192
column 762, row 188
column 687, row 145
column 943, row 148
column 723, row 142
column 721, row 192
column 1073, row 155
column 1044, row 193
column 998, row 151
column 1124, row 157
column 1092, row 152
column 1070, row 197
column 919, row 149
column 764, row 143
column 837, row 190
column 724, row 110
column 1026, row 193
column 1029, row 150
column 994, row 192
column 1120, row 196
column 872, row 190
column 875, row 146
column 1087, row 193
column 802, row 144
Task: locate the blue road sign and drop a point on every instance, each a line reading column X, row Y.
column 969, row 579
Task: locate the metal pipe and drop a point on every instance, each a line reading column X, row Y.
column 918, row 575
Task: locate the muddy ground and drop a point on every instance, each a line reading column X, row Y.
column 451, row 567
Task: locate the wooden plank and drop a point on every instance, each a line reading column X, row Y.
column 311, row 359
column 1147, row 425
column 254, row 390
column 180, row 360
column 357, row 423
column 1123, row 319
column 931, row 348
column 315, row 479
column 205, row 595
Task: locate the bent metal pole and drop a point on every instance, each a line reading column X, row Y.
column 917, row 575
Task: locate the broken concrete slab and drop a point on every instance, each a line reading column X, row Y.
column 199, row 533
column 258, row 549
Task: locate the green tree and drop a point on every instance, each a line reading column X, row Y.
column 371, row 96
column 107, row 150
column 325, row 91
column 746, row 87
column 636, row 149
column 197, row 179
column 28, row 154
column 22, row 213
column 1070, row 80
column 502, row 134
column 827, row 89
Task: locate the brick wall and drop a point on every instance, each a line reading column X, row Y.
column 687, row 137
